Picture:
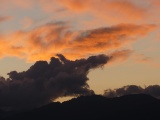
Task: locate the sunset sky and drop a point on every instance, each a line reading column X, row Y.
column 128, row 31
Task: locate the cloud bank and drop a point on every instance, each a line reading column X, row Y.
column 44, row 82
column 153, row 90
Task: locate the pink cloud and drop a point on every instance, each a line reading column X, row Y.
column 143, row 59
column 120, row 56
column 27, row 22
column 5, row 18
column 111, row 11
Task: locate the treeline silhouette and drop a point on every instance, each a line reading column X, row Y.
column 94, row 107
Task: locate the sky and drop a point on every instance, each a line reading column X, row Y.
column 127, row 32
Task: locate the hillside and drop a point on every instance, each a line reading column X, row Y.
column 96, row 107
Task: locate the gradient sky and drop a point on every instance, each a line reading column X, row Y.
column 127, row 30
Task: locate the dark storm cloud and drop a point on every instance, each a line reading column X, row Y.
column 153, row 90
column 44, row 82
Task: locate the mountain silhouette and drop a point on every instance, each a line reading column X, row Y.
column 94, row 107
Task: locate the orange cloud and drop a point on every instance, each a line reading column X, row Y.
column 112, row 11
column 47, row 40
column 109, row 11
column 155, row 2
column 104, row 39
column 77, row 5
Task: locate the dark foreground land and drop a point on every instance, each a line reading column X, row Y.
column 129, row 107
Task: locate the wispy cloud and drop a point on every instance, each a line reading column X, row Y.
column 120, row 56
column 47, row 40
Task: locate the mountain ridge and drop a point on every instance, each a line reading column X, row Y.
column 95, row 107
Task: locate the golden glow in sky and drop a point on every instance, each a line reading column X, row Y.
column 127, row 30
